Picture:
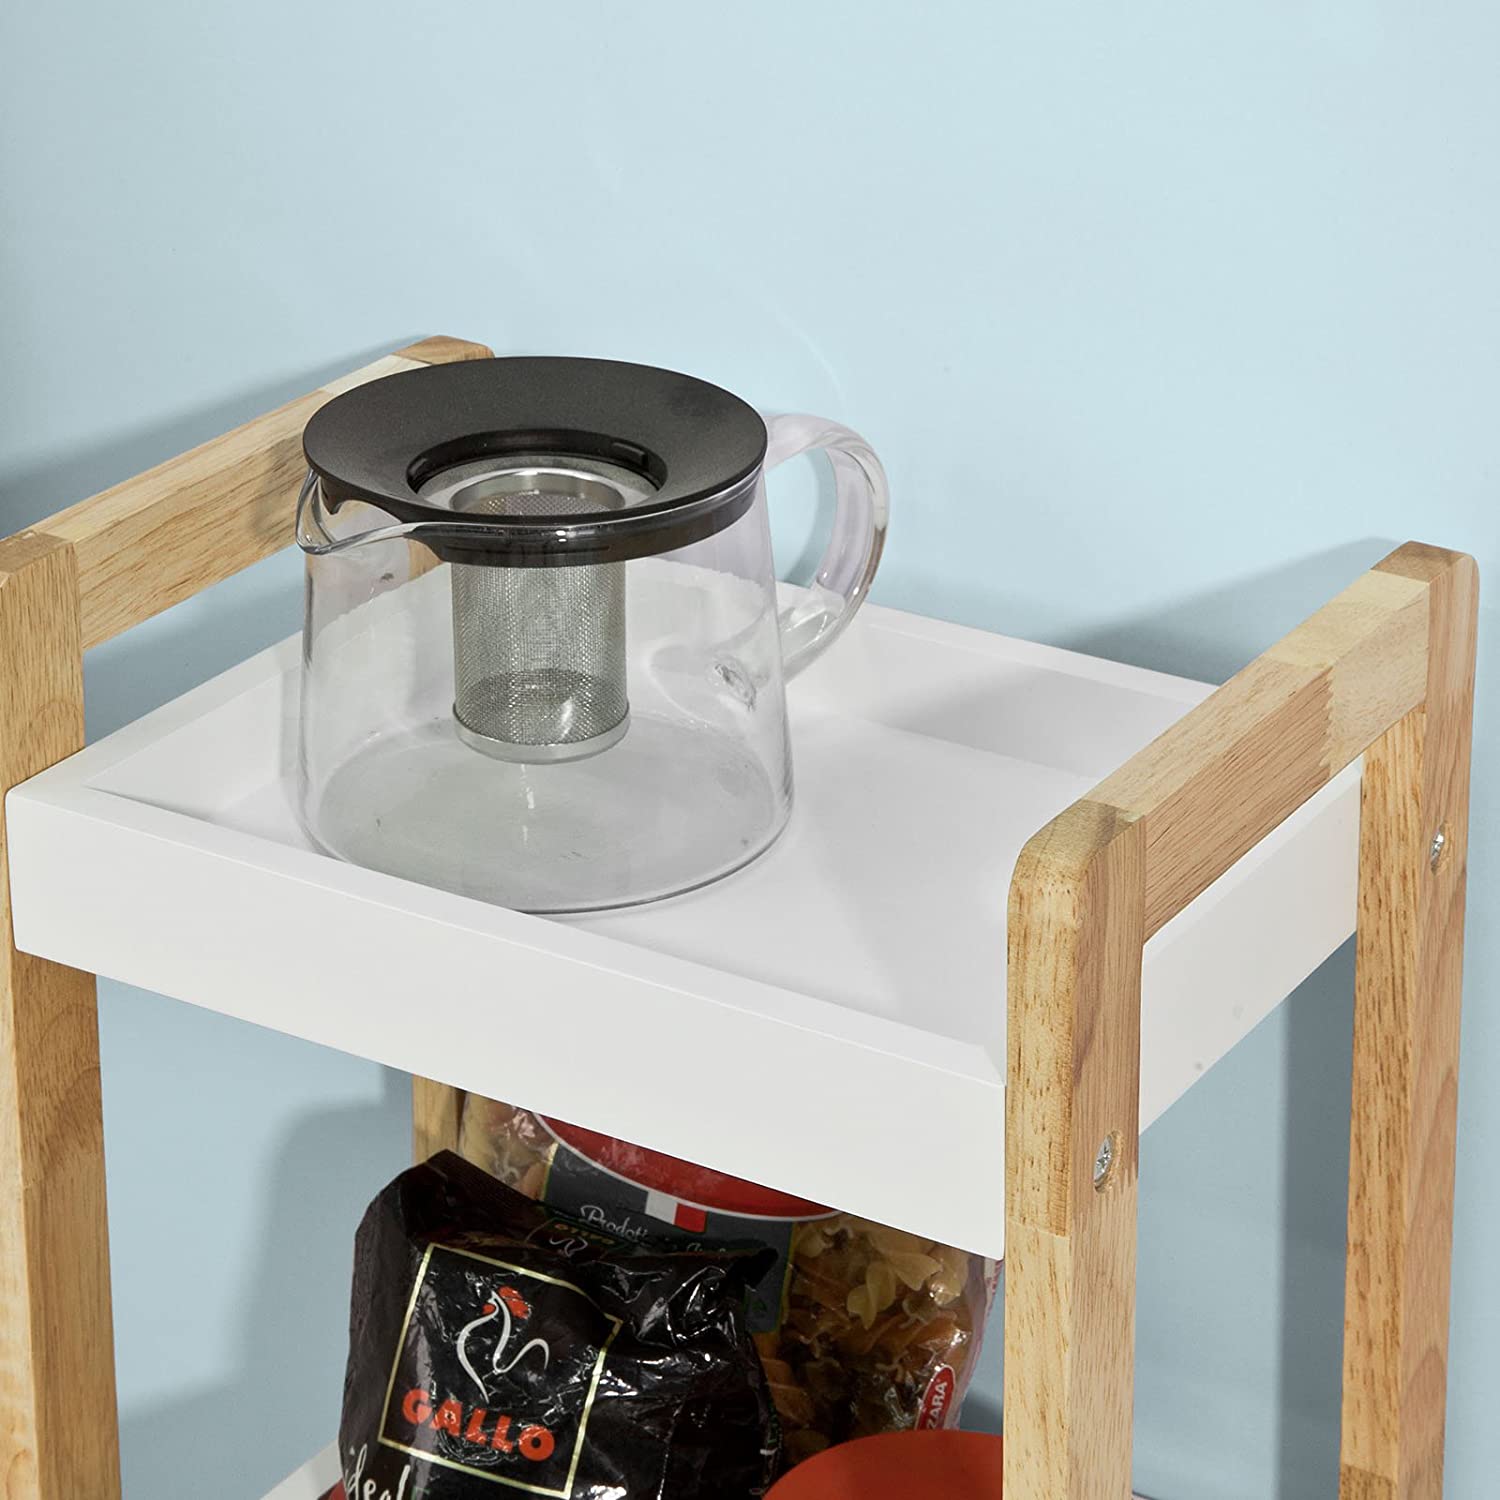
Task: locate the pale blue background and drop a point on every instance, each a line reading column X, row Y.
column 1167, row 317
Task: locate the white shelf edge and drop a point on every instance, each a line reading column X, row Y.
column 313, row 1480
column 920, row 1096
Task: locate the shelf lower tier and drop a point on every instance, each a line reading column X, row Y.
column 830, row 1021
column 313, row 1480
column 316, row 1477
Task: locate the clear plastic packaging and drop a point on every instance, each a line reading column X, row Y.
column 862, row 1329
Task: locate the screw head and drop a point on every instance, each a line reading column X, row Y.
column 1104, row 1161
column 1437, row 848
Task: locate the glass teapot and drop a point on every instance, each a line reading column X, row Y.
column 543, row 658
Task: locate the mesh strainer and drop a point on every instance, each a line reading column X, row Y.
column 539, row 653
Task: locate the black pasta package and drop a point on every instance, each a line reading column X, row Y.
column 498, row 1348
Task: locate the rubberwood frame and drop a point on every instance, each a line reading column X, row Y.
column 1386, row 670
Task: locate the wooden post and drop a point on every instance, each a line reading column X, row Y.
column 436, row 1115
column 1072, row 1126
column 58, row 1428
column 1414, row 816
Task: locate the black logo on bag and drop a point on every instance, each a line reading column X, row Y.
column 493, row 1375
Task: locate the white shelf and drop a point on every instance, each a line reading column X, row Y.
column 829, row 1021
column 313, row 1480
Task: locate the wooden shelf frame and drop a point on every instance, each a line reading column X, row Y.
column 1386, row 671
column 74, row 581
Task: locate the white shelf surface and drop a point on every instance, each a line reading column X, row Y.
column 829, row 1021
column 313, row 1480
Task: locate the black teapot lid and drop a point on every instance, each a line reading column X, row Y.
column 693, row 450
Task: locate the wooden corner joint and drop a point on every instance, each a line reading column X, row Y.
column 27, row 549
column 163, row 536
column 1063, row 854
column 443, row 350
column 1425, row 563
column 1447, row 584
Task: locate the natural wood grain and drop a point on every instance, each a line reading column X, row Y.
column 1388, row 664
column 58, row 1433
column 159, row 538
column 1409, row 975
column 442, row 350
column 436, row 1116
column 1076, row 928
column 1221, row 778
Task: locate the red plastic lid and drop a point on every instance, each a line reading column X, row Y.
column 900, row 1466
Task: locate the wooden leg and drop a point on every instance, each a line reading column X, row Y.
column 1077, row 925
column 436, row 1114
column 58, row 1430
column 1406, row 1032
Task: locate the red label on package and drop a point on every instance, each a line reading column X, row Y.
column 937, row 1400
column 689, row 1186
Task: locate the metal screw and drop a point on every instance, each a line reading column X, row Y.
column 1104, row 1162
column 1438, row 847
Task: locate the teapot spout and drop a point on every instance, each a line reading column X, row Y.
column 360, row 523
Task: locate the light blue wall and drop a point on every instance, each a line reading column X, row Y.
column 1167, row 317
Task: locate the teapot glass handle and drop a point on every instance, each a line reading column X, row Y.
column 861, row 514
